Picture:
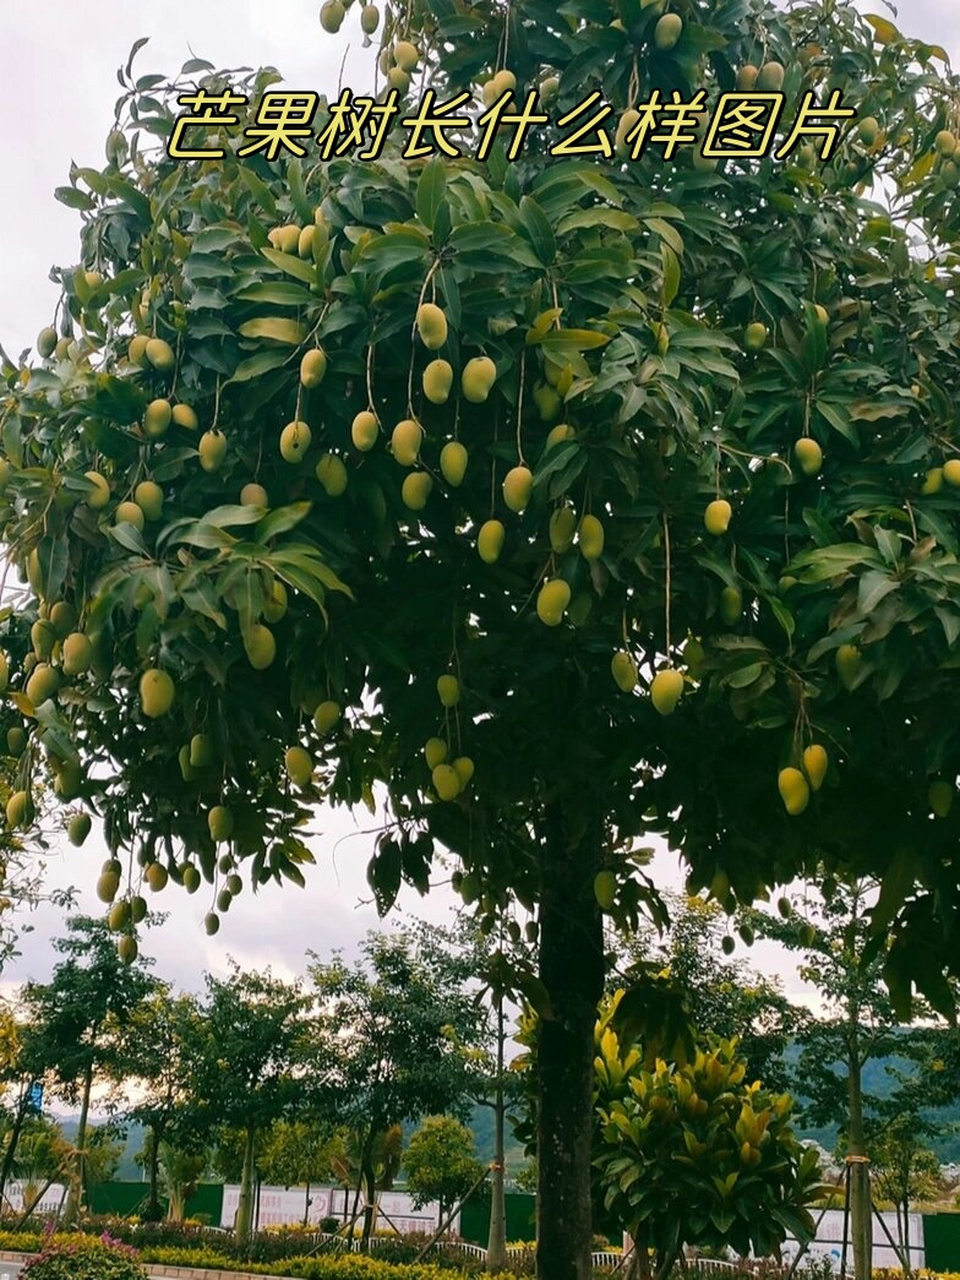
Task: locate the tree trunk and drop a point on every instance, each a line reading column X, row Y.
column 75, row 1198
column 497, row 1237
column 368, row 1182
column 572, row 970
column 306, row 1206
column 10, row 1153
column 640, row 1262
column 861, row 1221
column 354, row 1212
column 153, row 1202
column 244, row 1218
column 666, row 1264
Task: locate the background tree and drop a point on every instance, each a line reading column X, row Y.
column 25, row 1049
column 163, row 1030
column 300, row 1153
column 395, row 1032
column 904, row 1168
column 723, row 994
column 180, row 1172
column 440, row 1163
column 842, row 957
column 227, row 1155
column 103, row 1151
column 43, row 1155
column 503, row 963
column 818, row 595
column 81, row 1019
column 526, row 1177
column 366, row 1166
column 248, row 1063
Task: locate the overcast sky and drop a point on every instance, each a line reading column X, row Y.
column 57, row 98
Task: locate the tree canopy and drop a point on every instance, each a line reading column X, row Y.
column 581, row 270
column 668, row 544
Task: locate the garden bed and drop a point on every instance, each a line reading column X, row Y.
column 207, row 1265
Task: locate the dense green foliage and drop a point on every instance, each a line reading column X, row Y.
column 816, row 607
column 440, row 1164
column 632, row 282
column 697, row 1154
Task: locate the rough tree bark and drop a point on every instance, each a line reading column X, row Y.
column 572, row 970
column 75, row 1196
column 244, row 1219
column 861, row 1222
column 497, row 1237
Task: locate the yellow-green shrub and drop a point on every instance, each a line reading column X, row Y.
column 350, row 1266
column 23, row 1241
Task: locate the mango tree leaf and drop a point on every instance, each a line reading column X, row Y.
column 430, row 191
column 292, row 265
column 276, row 329
column 261, row 363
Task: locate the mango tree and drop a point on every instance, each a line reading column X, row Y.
column 567, row 495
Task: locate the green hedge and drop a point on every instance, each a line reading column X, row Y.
column 25, row 1241
column 351, row 1266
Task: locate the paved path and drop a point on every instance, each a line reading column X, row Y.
column 10, row 1271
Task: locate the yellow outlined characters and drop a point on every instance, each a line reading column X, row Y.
column 742, row 125
column 282, row 118
column 669, row 124
column 349, row 121
column 805, row 125
column 442, row 118
column 569, row 146
column 497, row 116
column 209, row 109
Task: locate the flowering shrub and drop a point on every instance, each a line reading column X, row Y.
column 84, row 1258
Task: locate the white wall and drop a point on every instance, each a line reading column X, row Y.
column 280, row 1206
column 829, row 1243
column 50, row 1201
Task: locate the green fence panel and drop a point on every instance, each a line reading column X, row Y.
column 121, row 1199
column 941, row 1241
column 207, row 1201
column 124, row 1199
column 475, row 1218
